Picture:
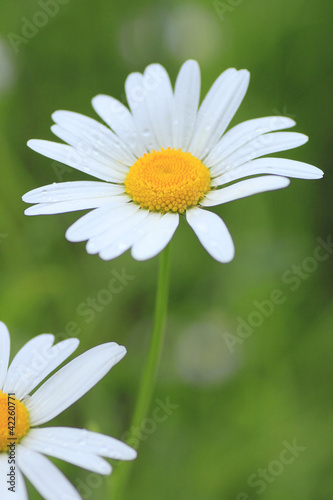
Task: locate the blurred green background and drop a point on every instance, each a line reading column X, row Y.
column 236, row 407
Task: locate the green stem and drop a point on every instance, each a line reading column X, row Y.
column 149, row 374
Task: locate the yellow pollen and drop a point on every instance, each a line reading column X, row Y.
column 167, row 181
column 14, row 421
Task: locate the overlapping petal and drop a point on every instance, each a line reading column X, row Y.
column 35, row 361
column 259, row 146
column 155, row 241
column 242, row 133
column 76, row 159
column 115, row 233
column 121, row 121
column 84, row 372
column 217, row 110
column 92, row 135
column 100, row 221
column 79, row 440
column 43, row 442
column 55, row 395
column 50, row 483
column 129, row 235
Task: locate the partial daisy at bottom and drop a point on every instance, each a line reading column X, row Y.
column 164, row 157
column 23, row 444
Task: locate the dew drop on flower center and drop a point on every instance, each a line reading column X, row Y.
column 168, row 180
column 14, row 421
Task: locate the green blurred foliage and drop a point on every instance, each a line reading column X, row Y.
column 234, row 409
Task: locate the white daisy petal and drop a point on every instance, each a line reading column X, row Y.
column 41, row 363
column 82, row 440
column 26, row 361
column 20, row 492
column 37, row 359
column 99, row 220
column 45, row 476
column 186, row 101
column 218, row 109
column 245, row 188
column 159, row 99
column 277, row 166
column 243, row 133
column 89, row 149
column 43, row 443
column 130, row 235
column 74, row 205
column 115, row 232
column 65, row 191
column 90, row 132
column 76, row 159
column 55, row 395
column 119, row 118
column 4, row 352
column 155, row 241
column 136, row 94
column 260, row 146
column 212, row 233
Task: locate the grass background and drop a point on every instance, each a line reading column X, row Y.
column 234, row 409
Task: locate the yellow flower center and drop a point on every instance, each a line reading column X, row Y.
column 167, row 181
column 14, row 421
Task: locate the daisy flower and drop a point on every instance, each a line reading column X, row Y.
column 164, row 157
column 23, row 443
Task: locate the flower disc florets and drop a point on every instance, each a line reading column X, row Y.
column 167, row 181
column 14, row 420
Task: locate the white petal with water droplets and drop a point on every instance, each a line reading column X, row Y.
column 260, row 146
column 114, row 233
column 76, row 159
column 212, row 233
column 66, row 191
column 136, row 97
column 74, row 205
column 130, row 235
column 277, row 166
column 92, row 133
column 82, row 440
column 217, row 110
column 186, row 101
column 41, row 443
column 153, row 242
column 99, row 221
column 242, row 134
column 159, row 99
column 245, row 188
column 90, row 150
column 120, row 119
